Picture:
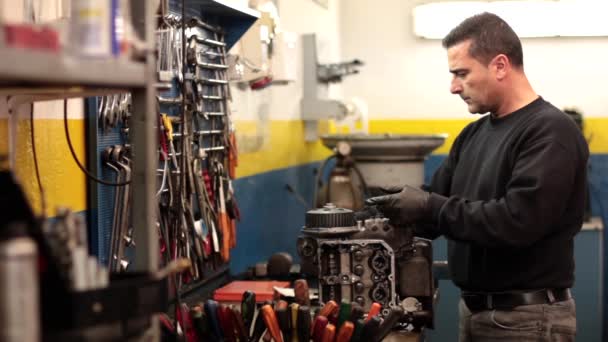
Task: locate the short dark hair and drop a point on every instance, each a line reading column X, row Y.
column 490, row 36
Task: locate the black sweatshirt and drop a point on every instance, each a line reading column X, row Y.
column 510, row 199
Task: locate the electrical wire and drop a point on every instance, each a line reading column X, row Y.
column 318, row 182
column 82, row 168
column 35, row 156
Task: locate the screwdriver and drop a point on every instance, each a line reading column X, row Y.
column 283, row 317
column 226, row 323
column 318, row 328
column 293, row 316
column 329, row 308
column 258, row 328
column 329, row 333
column 237, row 321
column 281, row 304
column 358, row 330
column 211, row 311
column 344, row 313
column 248, row 309
column 303, row 323
column 200, row 322
column 271, row 322
column 356, row 313
column 370, row 329
column 346, row 332
column 373, row 311
column 389, row 322
column 301, row 292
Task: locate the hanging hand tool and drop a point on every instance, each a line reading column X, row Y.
column 223, row 217
column 272, row 324
column 303, row 324
column 168, row 128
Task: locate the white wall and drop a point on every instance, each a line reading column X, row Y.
column 406, row 77
column 282, row 102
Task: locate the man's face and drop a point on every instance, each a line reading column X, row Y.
column 472, row 80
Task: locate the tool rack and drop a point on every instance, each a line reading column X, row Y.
column 42, row 76
column 233, row 21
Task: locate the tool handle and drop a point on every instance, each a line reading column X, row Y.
column 329, row 333
column 248, row 308
column 329, row 308
column 344, row 313
column 271, row 322
column 226, row 323
column 211, row 309
column 283, row 317
column 373, row 311
column 370, row 329
column 241, row 332
column 318, row 328
column 358, row 330
column 356, row 313
column 301, row 292
column 303, row 323
column 258, row 328
column 346, row 332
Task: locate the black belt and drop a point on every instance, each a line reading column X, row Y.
column 477, row 301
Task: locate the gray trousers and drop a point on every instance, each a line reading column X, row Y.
column 543, row 322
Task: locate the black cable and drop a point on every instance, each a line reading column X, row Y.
column 42, row 195
column 67, row 136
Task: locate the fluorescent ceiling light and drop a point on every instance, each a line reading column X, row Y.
column 531, row 18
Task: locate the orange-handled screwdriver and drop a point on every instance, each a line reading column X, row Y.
column 271, row 322
column 329, row 333
column 346, row 332
column 373, row 311
column 328, row 309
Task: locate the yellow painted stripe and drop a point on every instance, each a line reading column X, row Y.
column 63, row 182
column 596, row 132
column 279, row 144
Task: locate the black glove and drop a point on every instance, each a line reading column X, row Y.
column 367, row 213
column 406, row 206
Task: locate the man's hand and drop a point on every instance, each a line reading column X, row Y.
column 406, row 206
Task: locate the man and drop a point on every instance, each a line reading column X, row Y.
column 509, row 197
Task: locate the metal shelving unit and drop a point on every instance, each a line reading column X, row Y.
column 28, row 76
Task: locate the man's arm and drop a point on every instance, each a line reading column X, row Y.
column 536, row 197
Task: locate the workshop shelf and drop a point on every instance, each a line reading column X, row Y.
column 23, row 68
